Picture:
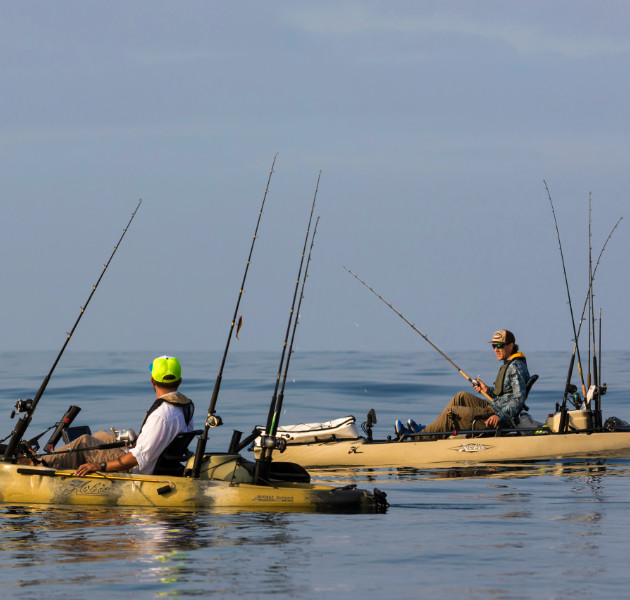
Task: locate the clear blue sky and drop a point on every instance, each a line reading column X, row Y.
column 434, row 125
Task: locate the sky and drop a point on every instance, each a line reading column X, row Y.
column 437, row 128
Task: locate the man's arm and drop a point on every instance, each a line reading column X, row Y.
column 126, row 462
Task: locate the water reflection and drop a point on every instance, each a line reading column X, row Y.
column 142, row 547
column 579, row 469
column 60, row 534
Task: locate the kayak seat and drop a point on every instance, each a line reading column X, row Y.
column 528, row 386
column 175, row 455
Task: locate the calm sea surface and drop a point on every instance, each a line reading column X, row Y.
column 556, row 529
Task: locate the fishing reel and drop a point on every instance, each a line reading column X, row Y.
column 273, row 443
column 22, row 406
column 576, row 400
column 214, row 421
column 128, row 436
column 570, row 393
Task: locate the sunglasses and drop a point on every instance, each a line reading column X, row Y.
column 499, row 346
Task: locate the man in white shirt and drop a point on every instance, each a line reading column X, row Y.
column 170, row 414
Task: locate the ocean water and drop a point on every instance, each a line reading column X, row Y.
column 552, row 529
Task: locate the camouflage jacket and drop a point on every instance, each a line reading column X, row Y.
column 510, row 402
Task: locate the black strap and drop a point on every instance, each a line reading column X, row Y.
column 187, row 409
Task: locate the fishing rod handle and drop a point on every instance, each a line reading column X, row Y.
column 66, row 420
column 20, row 428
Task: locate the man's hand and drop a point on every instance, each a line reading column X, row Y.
column 480, row 386
column 492, row 421
column 86, row 468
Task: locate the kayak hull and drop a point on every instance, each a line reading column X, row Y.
column 455, row 450
column 21, row 484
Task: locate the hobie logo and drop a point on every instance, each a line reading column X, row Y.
column 472, row 448
column 89, row 488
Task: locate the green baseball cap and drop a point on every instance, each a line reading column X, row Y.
column 166, row 369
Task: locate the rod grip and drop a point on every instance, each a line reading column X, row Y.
column 66, row 420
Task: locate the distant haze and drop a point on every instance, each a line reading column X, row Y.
column 434, row 125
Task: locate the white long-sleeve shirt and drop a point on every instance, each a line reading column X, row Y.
column 159, row 430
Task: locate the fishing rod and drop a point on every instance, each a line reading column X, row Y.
column 262, row 463
column 590, row 298
column 66, row 420
column 601, row 388
column 278, row 410
column 59, row 427
column 107, row 446
column 271, row 432
column 28, row 406
column 472, row 381
column 566, row 281
column 594, row 391
column 274, row 423
column 596, row 379
column 213, row 420
column 568, row 388
column 596, row 376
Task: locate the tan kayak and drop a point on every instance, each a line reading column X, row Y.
column 419, row 451
column 224, row 482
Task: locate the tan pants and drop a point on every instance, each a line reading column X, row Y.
column 78, row 456
column 460, row 412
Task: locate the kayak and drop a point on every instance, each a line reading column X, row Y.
column 337, row 443
column 226, row 481
column 205, row 480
